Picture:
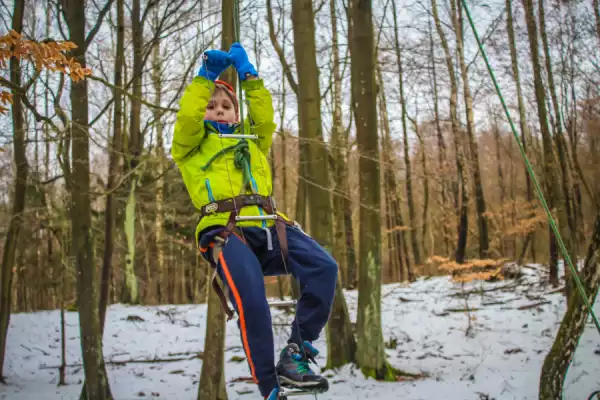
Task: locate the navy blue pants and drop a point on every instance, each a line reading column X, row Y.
column 242, row 267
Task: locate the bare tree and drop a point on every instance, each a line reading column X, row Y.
column 96, row 382
column 18, row 203
column 370, row 355
column 463, row 207
column 573, row 324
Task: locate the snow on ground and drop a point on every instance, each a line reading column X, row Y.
column 500, row 359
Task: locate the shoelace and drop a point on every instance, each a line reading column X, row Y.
column 302, row 364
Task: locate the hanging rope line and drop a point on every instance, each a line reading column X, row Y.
column 538, row 189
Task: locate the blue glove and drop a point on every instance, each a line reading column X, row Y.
column 239, row 59
column 214, row 63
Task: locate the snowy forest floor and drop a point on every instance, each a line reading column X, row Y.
column 152, row 351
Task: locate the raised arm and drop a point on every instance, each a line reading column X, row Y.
column 260, row 110
column 260, row 102
column 189, row 126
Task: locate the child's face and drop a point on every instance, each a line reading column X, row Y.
column 220, row 108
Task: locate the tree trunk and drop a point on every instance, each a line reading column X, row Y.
column 338, row 151
column 480, row 205
column 370, row 353
column 212, row 375
column 160, row 182
column 564, row 199
column 572, row 326
column 130, row 292
column 113, row 167
column 96, row 383
column 502, row 188
column 442, row 158
column 394, row 220
column 319, row 197
column 425, row 217
column 309, row 111
column 16, row 221
column 409, row 191
column 529, row 239
column 550, row 171
column 463, row 205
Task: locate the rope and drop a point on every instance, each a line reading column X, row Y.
column 539, row 192
column 241, row 161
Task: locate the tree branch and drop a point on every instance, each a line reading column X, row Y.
column 286, row 67
column 126, row 93
column 98, row 24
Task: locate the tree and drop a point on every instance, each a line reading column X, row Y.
column 551, row 174
column 463, row 207
column 20, row 157
column 370, row 354
column 407, row 161
column 51, row 56
column 130, row 293
column 319, row 197
column 457, row 21
column 522, row 112
column 96, row 382
column 573, row 323
column 212, row 375
column 113, row 165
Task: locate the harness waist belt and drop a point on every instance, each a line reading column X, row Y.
column 236, row 203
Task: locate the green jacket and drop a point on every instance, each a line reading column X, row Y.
column 196, row 142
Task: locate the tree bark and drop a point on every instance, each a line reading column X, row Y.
column 309, row 111
column 564, row 199
column 130, row 292
column 212, row 375
column 442, row 157
column 370, row 353
column 319, row 197
column 16, row 221
column 501, row 187
column 96, row 383
column 425, row 216
column 409, row 190
column 338, row 151
column 480, row 205
column 572, row 326
column 550, row 171
column 529, row 239
column 463, row 205
column 160, row 182
column 394, row 219
column 113, row 166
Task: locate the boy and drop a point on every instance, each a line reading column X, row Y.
column 228, row 179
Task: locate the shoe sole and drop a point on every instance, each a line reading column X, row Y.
column 319, row 387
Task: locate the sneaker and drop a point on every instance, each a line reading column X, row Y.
column 294, row 372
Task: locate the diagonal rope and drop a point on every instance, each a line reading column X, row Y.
column 538, row 190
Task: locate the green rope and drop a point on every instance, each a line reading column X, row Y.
column 241, row 160
column 236, row 25
column 532, row 174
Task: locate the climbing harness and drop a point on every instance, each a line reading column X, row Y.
column 538, row 189
column 236, row 202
